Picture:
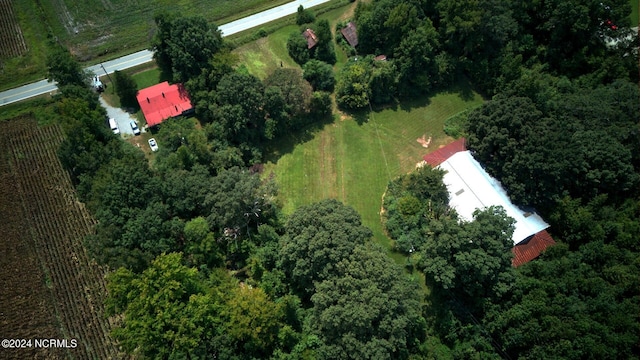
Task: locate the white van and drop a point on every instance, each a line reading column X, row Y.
column 114, row 126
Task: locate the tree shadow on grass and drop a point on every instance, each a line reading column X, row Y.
column 285, row 144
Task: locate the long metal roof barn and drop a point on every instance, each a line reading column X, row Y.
column 471, row 188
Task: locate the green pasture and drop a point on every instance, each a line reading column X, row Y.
column 352, row 159
column 264, row 55
column 634, row 13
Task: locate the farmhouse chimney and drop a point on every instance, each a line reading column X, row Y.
column 163, row 94
column 148, row 101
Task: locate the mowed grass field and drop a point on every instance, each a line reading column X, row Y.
column 353, row 158
column 261, row 57
column 634, row 13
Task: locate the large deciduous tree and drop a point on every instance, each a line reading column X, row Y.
column 126, row 88
column 368, row 310
column 63, row 68
column 324, row 50
column 352, row 89
column 320, row 75
column 471, row 263
column 184, row 46
column 317, row 237
column 167, row 312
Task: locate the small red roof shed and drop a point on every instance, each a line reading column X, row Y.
column 163, row 101
column 350, row 34
column 312, row 39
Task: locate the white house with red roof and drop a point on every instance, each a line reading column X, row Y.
column 471, row 187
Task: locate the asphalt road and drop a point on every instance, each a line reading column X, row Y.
column 142, row 57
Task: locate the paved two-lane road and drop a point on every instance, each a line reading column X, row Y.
column 145, row 56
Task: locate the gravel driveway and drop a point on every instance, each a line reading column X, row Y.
column 122, row 118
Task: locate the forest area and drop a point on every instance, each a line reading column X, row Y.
column 204, row 264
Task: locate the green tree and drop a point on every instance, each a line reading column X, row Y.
column 161, row 40
column 410, row 203
column 369, row 309
column 317, row 237
column 320, row 75
column 252, row 321
column 304, row 16
column 296, row 92
column 239, row 203
column 186, row 44
column 415, row 59
column 324, row 50
column 471, row 263
column 63, row 68
column 297, row 48
column 321, row 104
column 126, row 89
column 201, row 247
column 352, row 89
column 383, row 82
column 167, row 312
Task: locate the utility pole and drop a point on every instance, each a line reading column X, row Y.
column 111, row 81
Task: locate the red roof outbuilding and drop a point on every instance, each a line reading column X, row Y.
column 310, row 36
column 163, row 101
column 441, row 155
column 350, row 34
column 529, row 250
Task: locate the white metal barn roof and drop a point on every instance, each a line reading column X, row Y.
column 471, row 188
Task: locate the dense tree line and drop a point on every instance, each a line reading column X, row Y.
column 431, row 43
column 577, row 142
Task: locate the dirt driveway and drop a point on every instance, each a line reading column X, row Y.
column 122, row 118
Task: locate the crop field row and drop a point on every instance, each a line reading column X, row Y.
column 12, row 42
column 54, row 225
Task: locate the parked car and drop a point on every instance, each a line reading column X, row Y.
column 114, row 126
column 153, row 145
column 134, row 127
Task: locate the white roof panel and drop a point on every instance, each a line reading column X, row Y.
column 471, row 188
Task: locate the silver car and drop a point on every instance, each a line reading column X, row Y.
column 134, row 127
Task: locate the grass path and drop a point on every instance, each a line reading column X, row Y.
column 353, row 159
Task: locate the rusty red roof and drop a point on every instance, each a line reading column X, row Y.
column 311, row 37
column 441, row 155
column 163, row 101
column 529, row 250
column 350, row 34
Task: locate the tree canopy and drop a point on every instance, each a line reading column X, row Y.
column 184, row 46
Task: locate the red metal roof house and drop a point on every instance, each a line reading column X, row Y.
column 163, row 101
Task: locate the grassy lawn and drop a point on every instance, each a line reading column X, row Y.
column 261, row 57
column 634, row 13
column 353, row 159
